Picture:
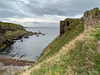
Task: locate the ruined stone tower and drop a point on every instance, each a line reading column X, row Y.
column 89, row 19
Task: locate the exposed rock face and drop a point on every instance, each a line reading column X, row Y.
column 1, row 39
column 10, row 32
column 91, row 18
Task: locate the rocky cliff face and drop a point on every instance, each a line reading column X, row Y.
column 10, row 26
column 1, row 39
column 89, row 19
column 9, row 32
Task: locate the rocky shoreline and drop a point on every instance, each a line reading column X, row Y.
column 8, row 65
column 8, row 34
column 15, row 62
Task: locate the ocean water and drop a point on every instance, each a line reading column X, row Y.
column 31, row 48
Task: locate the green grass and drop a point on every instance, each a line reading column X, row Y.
column 10, row 26
column 52, row 70
column 54, row 47
column 4, row 46
column 74, row 53
column 81, row 59
column 10, row 35
column 57, row 43
column 79, row 56
column 9, row 32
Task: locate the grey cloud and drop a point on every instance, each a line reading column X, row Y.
column 48, row 7
column 11, row 14
column 61, row 8
column 42, row 24
column 38, row 8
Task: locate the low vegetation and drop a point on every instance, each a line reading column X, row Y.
column 54, row 47
column 10, row 32
column 10, row 26
column 77, row 57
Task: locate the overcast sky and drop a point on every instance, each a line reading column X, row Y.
column 43, row 12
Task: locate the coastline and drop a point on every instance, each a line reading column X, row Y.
column 15, row 62
column 8, row 33
column 9, row 66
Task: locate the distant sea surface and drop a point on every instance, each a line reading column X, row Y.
column 31, row 48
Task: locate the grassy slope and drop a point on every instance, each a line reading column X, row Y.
column 10, row 26
column 79, row 57
column 54, row 47
column 58, row 42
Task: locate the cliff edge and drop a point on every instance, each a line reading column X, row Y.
column 10, row 32
column 89, row 19
column 75, row 51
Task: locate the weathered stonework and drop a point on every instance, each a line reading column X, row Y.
column 62, row 25
column 67, row 25
column 91, row 18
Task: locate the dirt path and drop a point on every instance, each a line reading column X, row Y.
column 63, row 50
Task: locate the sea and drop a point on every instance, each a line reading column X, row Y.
column 32, row 47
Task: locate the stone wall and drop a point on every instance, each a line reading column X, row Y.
column 67, row 25
column 64, row 24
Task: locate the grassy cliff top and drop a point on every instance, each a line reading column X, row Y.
column 54, row 47
column 74, row 53
column 10, row 26
column 77, row 57
column 9, row 32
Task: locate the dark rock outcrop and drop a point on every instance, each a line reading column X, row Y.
column 10, row 32
column 26, row 36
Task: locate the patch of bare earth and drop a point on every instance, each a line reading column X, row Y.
column 15, row 62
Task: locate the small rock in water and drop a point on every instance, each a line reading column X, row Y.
column 37, row 35
column 39, row 32
column 36, row 56
column 26, row 36
column 43, row 34
column 21, row 40
column 22, row 56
